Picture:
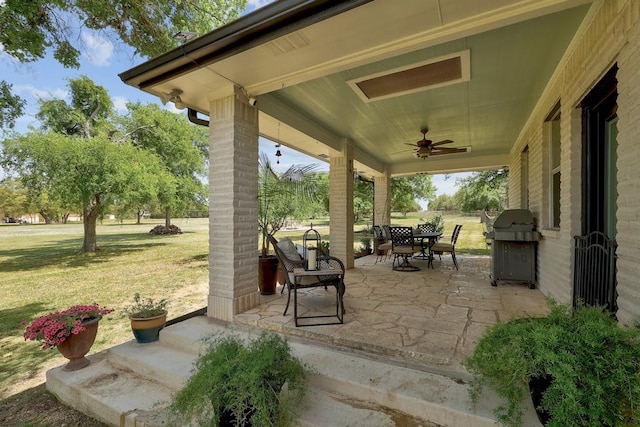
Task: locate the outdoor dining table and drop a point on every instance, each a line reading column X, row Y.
column 425, row 251
column 298, row 273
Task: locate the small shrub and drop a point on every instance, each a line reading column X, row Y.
column 259, row 383
column 593, row 364
column 365, row 244
column 160, row 230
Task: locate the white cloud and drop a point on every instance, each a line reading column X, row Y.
column 98, row 49
column 120, row 104
column 38, row 93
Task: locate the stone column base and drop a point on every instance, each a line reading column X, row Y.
column 225, row 308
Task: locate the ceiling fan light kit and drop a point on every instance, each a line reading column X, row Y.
column 426, row 147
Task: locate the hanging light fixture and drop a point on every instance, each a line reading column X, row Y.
column 278, row 145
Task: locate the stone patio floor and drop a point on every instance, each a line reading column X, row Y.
column 431, row 318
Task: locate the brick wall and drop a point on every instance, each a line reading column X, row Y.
column 609, row 34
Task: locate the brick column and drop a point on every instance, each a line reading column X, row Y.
column 233, row 206
column 382, row 199
column 341, row 205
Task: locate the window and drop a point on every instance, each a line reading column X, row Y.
column 553, row 129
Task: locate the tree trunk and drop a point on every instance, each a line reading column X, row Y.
column 167, row 217
column 91, row 213
column 139, row 216
column 47, row 218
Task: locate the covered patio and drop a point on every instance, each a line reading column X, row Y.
column 396, row 360
column 430, row 318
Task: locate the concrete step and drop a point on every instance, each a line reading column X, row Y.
column 130, row 384
column 165, row 365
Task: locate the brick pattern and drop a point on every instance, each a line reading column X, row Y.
column 628, row 214
column 382, row 199
column 233, row 207
column 610, row 34
column 341, row 206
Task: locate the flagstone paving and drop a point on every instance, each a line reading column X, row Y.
column 431, row 317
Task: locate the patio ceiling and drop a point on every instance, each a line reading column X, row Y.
column 297, row 58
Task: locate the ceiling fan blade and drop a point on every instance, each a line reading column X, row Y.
column 444, row 150
column 404, row 151
column 446, row 141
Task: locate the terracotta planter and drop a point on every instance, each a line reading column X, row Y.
column 76, row 347
column 267, row 274
column 147, row 329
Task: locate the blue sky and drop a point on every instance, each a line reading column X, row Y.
column 102, row 61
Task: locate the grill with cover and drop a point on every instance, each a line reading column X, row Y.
column 513, row 249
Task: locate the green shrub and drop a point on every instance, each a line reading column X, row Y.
column 436, row 221
column 260, row 382
column 592, row 361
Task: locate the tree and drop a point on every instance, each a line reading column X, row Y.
column 13, row 198
column 11, row 106
column 28, row 29
column 88, row 113
column 279, row 193
column 362, row 200
column 76, row 163
column 484, row 190
column 444, row 202
column 182, row 146
column 406, row 189
column 87, row 172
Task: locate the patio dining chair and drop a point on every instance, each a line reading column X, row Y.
column 441, row 247
column 425, row 243
column 290, row 259
column 403, row 248
column 383, row 245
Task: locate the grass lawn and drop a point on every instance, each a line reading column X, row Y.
column 43, row 270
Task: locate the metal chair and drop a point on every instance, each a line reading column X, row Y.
column 441, row 247
column 336, row 281
column 424, row 252
column 383, row 245
column 403, row 248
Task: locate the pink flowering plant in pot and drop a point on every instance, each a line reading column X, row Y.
column 53, row 329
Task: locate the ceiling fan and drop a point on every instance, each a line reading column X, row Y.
column 426, row 147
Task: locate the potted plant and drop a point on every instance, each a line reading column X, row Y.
column 278, row 196
column 147, row 318
column 71, row 331
column 259, row 383
column 365, row 246
column 581, row 367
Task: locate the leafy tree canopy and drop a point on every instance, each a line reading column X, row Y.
column 89, row 109
column 85, row 172
column 182, row 147
column 30, row 28
column 444, row 202
column 11, row 106
column 484, row 190
column 406, row 189
column 85, row 158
